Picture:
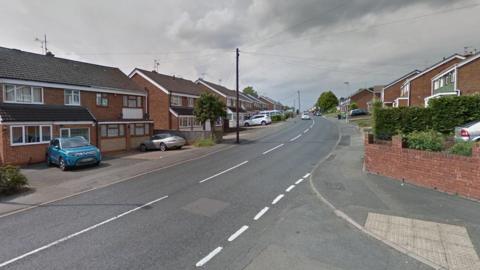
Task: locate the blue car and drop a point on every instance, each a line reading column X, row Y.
column 72, row 152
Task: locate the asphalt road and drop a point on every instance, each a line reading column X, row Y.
column 184, row 217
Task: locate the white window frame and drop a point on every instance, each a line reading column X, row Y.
column 72, row 91
column 118, row 128
column 191, row 102
column 70, row 132
column 178, row 100
column 4, row 88
column 101, row 97
column 23, row 134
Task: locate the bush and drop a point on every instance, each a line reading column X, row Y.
column 462, row 148
column 204, row 142
column 393, row 121
column 442, row 115
column 11, row 180
column 277, row 118
column 425, row 140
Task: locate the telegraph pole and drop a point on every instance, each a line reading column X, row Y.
column 298, row 101
column 238, row 97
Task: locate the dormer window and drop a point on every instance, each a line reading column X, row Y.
column 22, row 94
column 176, row 101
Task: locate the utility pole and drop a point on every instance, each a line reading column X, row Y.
column 298, row 92
column 348, row 101
column 238, row 101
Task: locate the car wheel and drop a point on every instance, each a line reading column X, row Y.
column 62, row 165
column 247, row 124
column 143, row 148
column 179, row 147
column 163, row 147
column 98, row 163
column 264, row 123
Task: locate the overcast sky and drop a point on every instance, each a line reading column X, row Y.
column 306, row 45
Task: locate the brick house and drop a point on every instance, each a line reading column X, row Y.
column 460, row 79
column 392, row 91
column 171, row 100
column 45, row 97
column 415, row 89
column 230, row 98
column 362, row 97
column 258, row 104
column 271, row 104
column 377, row 95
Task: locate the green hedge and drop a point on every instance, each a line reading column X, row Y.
column 442, row 115
column 425, row 140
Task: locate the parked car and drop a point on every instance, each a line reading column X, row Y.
column 163, row 141
column 318, row 114
column 468, row 132
column 259, row 119
column 358, row 112
column 306, row 116
column 72, row 152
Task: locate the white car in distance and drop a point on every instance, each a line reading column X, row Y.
column 259, row 119
column 306, row 116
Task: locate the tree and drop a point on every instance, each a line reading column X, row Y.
column 209, row 108
column 353, row 106
column 250, row 91
column 327, row 101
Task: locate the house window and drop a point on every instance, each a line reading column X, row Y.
column 23, row 94
column 176, row 101
column 102, row 99
column 139, row 129
column 72, row 97
column 132, row 101
column 191, row 102
column 112, row 130
column 24, row 135
column 75, row 132
column 188, row 121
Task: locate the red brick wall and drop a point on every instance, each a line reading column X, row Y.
column 158, row 103
column 27, row 154
column 468, row 78
column 421, row 87
column 89, row 100
column 448, row 173
column 361, row 99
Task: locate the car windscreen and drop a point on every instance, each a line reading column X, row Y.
column 74, row 142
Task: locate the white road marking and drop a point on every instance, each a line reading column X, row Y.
column 278, row 198
column 299, row 181
column 78, row 233
column 208, row 257
column 306, row 130
column 261, row 213
column 237, row 233
column 270, row 150
column 222, row 172
column 296, row 137
column 290, row 188
column 306, row 175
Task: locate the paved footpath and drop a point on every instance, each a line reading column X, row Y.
column 439, row 229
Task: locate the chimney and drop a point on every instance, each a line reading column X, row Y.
column 49, row 53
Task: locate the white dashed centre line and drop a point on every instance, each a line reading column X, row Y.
column 237, row 233
column 79, row 233
column 296, row 137
column 306, row 130
column 261, row 213
column 208, row 257
column 222, row 172
column 278, row 198
column 306, row 175
column 299, row 181
column 290, row 188
column 270, row 150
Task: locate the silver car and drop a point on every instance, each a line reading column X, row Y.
column 163, row 141
column 468, row 132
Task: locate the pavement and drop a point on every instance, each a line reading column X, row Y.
column 439, row 229
column 251, row 207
